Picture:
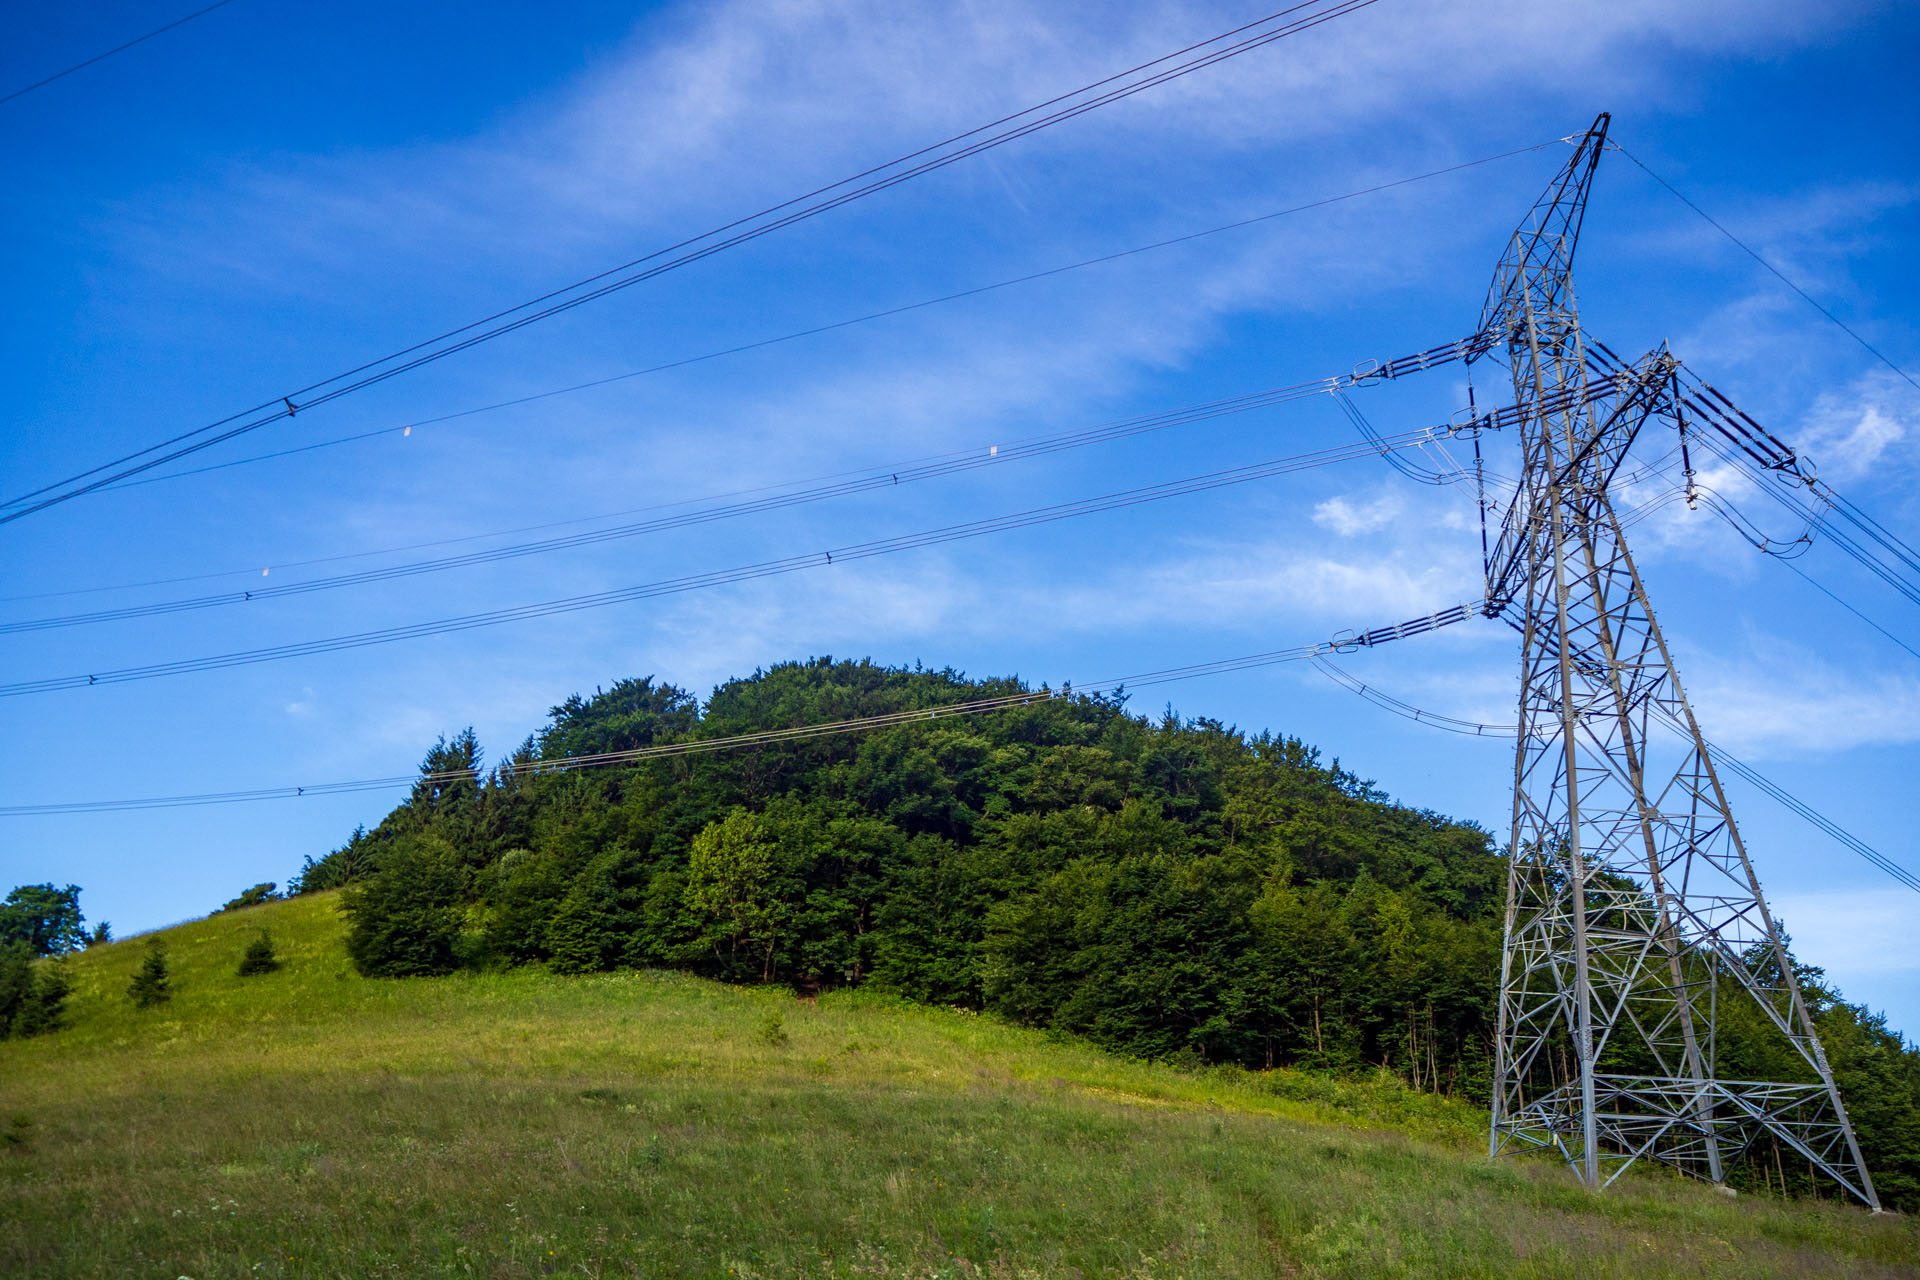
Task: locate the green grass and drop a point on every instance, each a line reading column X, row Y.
column 313, row 1123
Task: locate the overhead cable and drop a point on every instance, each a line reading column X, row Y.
column 1728, row 433
column 764, row 569
column 1324, row 663
column 887, row 313
column 119, row 48
column 1830, row 594
column 1827, row 516
column 1777, row 274
column 883, row 478
column 1392, row 457
column 1340, row 676
column 1833, row 829
column 989, row 456
column 766, row 737
column 1277, row 26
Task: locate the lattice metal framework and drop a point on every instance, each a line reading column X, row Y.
column 1634, row 920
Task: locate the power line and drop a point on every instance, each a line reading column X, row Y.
column 871, row 477
column 1451, row 724
column 1725, row 431
column 887, row 313
column 879, row 469
column 1324, row 663
column 990, row 456
column 696, row 746
column 1833, row 829
column 744, row 573
column 878, row 478
column 1320, row 654
column 1836, row 598
column 1809, row 501
column 1814, row 503
column 1777, row 274
column 563, row 765
column 120, row 48
column 1264, row 31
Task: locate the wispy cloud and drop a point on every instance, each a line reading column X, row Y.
column 1849, row 433
column 1746, row 705
column 1866, row 933
column 1762, row 338
column 720, row 108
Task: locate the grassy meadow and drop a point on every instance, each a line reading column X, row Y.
column 313, row 1123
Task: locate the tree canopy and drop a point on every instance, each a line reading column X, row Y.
column 43, row 919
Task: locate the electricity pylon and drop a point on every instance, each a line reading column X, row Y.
column 1635, row 925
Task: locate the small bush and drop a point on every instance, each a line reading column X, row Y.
column 259, row 957
column 1186, row 1059
column 151, row 985
column 774, row 1030
column 19, row 1132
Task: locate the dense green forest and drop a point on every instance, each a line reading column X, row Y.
column 1169, row 888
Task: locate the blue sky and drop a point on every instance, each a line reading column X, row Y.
column 275, row 192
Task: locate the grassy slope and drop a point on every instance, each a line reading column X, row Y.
column 312, row 1123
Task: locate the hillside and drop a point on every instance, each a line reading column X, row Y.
column 1166, row 888
column 312, row 1122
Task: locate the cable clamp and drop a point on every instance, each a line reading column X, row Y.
column 1468, row 423
column 291, row 407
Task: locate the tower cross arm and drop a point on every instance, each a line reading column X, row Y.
column 1640, row 391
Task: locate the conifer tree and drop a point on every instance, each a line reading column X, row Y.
column 259, row 957
column 405, row 918
column 16, row 982
column 46, row 1000
column 575, row 937
column 151, row 985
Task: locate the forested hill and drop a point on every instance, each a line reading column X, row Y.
column 1164, row 887
column 1169, row 888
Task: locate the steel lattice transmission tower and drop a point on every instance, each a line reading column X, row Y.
column 1635, row 926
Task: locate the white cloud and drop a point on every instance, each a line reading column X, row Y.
column 1855, row 933
column 1773, row 342
column 722, row 108
column 1346, row 517
column 703, row 640
column 1750, row 709
column 1848, row 433
column 1291, row 586
column 808, row 89
column 711, row 111
column 1290, row 590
